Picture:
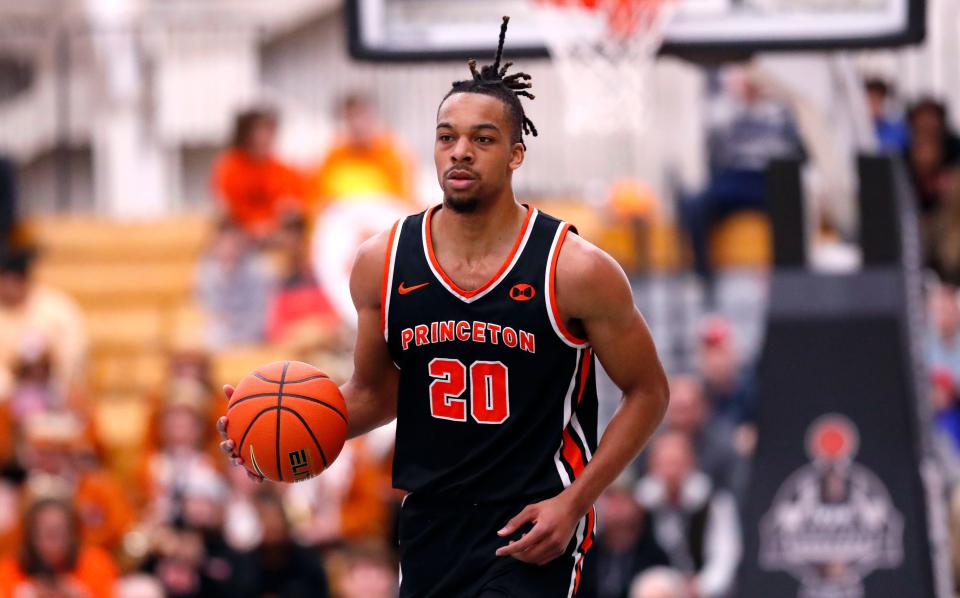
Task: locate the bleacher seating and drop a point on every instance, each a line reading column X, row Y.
column 135, row 282
column 739, row 241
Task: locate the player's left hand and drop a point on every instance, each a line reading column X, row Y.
column 554, row 521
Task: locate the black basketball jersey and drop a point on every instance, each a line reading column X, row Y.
column 497, row 399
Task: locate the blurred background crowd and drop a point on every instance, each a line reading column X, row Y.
column 117, row 333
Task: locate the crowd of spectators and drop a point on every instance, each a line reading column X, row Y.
column 187, row 525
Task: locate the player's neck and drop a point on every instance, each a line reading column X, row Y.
column 478, row 232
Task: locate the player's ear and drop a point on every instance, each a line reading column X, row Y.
column 517, row 154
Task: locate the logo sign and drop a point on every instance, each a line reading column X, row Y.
column 832, row 522
column 299, row 465
column 522, row 292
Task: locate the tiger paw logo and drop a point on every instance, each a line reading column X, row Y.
column 832, row 522
column 522, row 292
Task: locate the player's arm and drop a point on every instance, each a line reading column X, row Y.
column 371, row 392
column 594, row 296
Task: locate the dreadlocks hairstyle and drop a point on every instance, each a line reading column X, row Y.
column 492, row 80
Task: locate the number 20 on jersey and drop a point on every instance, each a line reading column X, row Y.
column 489, row 398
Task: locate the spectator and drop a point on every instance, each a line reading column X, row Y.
column 183, row 427
column 943, row 400
column 350, row 501
column 727, row 381
column 12, row 477
column 234, row 287
column 299, row 301
column 191, row 558
column 696, row 524
column 8, row 203
column 364, row 162
column 943, row 234
column 624, row 547
column 33, row 390
column 35, row 314
column 369, row 572
column 283, row 568
column 242, row 527
column 176, row 561
column 54, row 456
column 747, row 130
column 659, row 582
column 891, row 128
column 192, row 367
column 943, row 335
column 688, row 413
column 933, row 153
column 53, row 561
column 255, row 188
column 945, row 433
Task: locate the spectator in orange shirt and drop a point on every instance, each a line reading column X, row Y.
column 364, row 161
column 255, row 188
column 53, row 456
column 53, row 561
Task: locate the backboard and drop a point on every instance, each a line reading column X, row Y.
column 415, row 30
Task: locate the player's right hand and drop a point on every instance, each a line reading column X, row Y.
column 227, row 445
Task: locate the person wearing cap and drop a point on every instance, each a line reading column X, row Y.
column 30, row 310
column 728, row 382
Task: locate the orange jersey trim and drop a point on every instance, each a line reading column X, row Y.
column 503, row 267
column 552, row 290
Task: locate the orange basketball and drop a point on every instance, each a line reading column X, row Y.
column 287, row 420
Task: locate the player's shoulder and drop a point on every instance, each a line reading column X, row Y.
column 373, row 250
column 582, row 260
column 367, row 274
column 587, row 277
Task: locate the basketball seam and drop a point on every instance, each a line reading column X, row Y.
column 283, row 376
column 250, row 425
column 259, row 376
column 288, row 395
column 323, row 456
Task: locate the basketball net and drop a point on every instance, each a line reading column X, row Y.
column 604, row 52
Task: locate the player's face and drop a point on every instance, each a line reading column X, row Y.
column 472, row 151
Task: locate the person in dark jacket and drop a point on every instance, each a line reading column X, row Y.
column 283, row 568
column 624, row 548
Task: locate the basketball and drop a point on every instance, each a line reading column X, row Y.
column 288, row 421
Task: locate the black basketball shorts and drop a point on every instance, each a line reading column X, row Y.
column 448, row 551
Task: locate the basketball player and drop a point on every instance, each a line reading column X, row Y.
column 479, row 321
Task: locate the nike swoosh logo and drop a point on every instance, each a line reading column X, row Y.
column 404, row 290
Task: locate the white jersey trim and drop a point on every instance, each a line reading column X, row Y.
column 548, row 289
column 567, row 414
column 388, row 292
